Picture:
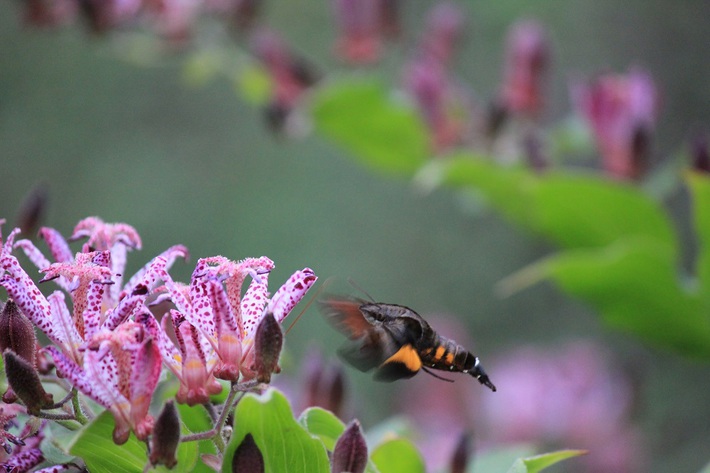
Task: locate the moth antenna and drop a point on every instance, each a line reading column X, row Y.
column 437, row 376
column 308, row 304
column 352, row 282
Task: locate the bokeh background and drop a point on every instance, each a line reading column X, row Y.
column 126, row 137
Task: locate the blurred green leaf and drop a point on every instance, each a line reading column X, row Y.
column 398, row 456
column 95, row 446
column 202, row 67
column 706, row 469
column 254, row 84
column 540, row 462
column 573, row 210
column 499, row 459
column 633, row 283
column 699, row 184
column 284, row 443
column 383, row 133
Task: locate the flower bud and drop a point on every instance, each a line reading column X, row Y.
column 350, row 451
column 267, row 347
column 32, row 210
column 247, row 457
column 166, row 436
column 461, row 454
column 700, row 153
column 24, row 381
column 17, row 333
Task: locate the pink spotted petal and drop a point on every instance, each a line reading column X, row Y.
column 118, row 267
column 63, row 332
column 291, row 293
column 58, row 246
column 78, row 377
column 144, row 379
column 102, row 236
column 201, row 315
column 224, row 318
column 148, row 275
column 127, row 307
column 24, row 292
column 168, row 351
column 24, row 460
column 252, row 305
column 92, row 309
column 194, row 371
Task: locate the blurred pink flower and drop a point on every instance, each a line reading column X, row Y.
column 621, row 111
column 50, row 12
column 570, row 398
column 290, row 76
column 526, row 62
column 358, row 26
column 442, row 33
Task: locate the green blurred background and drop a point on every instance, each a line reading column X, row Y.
column 195, row 165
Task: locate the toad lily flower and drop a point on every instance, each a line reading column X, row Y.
column 120, row 372
column 86, row 277
column 219, row 324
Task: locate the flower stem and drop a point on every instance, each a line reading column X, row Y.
column 78, row 412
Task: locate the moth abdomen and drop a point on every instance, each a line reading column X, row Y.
column 444, row 354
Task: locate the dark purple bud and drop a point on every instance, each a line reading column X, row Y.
column 462, row 453
column 247, row 457
column 32, row 210
column 333, row 389
column 268, row 341
column 24, row 381
column 17, row 333
column 350, row 451
column 246, row 11
column 534, row 152
column 700, row 152
column 166, row 436
column 389, row 14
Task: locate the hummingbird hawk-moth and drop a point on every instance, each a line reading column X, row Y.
column 397, row 342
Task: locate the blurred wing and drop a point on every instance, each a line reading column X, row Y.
column 346, row 316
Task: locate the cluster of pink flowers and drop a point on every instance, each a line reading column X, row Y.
column 620, row 110
column 109, row 344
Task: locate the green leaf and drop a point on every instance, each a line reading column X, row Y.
column 95, row 446
column 699, row 184
column 284, row 443
column 196, row 419
column 398, row 456
column 633, row 283
column 499, row 459
column 323, row 424
column 328, row 428
column 573, row 210
column 362, row 116
column 540, row 462
column 706, row 469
